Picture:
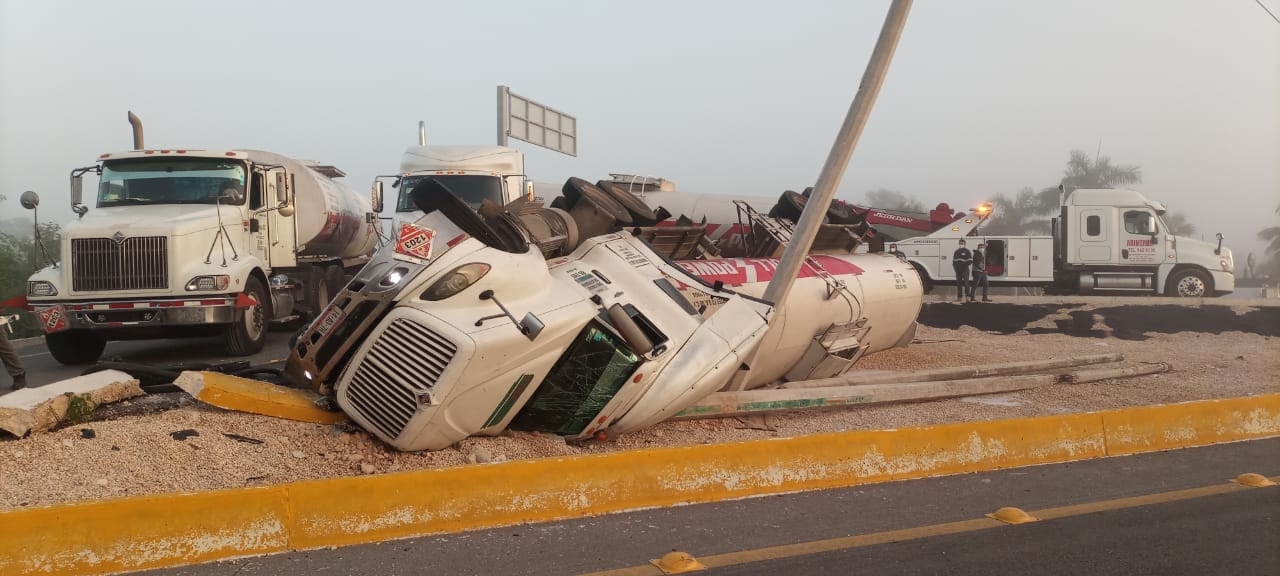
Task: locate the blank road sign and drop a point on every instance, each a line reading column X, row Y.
column 524, row 119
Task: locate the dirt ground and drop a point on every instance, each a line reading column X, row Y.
column 195, row 447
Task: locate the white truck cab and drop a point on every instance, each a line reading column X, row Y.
column 1104, row 240
column 474, row 173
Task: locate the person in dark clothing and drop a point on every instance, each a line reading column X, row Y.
column 9, row 356
column 961, row 260
column 979, row 273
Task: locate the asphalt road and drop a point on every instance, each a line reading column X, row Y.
column 1167, row 513
column 43, row 369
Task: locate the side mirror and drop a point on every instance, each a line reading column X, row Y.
column 282, row 188
column 375, row 197
column 531, row 326
column 77, row 190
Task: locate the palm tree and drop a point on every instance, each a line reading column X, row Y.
column 1272, row 236
column 1081, row 173
column 1021, row 214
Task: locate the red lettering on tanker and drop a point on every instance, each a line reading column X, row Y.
column 415, row 241
column 1141, row 250
column 53, row 319
column 739, row 271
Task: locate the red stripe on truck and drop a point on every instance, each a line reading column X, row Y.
column 739, row 271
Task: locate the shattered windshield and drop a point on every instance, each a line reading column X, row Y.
column 170, row 181
column 471, row 188
column 581, row 383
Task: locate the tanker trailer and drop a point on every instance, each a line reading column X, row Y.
column 182, row 242
column 464, row 328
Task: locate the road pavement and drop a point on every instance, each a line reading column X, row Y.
column 1171, row 513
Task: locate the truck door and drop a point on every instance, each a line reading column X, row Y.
column 998, row 264
column 283, row 238
column 1141, row 238
column 260, row 222
column 1094, row 236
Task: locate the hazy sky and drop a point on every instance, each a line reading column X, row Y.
column 983, row 97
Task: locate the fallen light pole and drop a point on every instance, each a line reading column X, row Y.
column 1085, row 376
column 743, row 402
column 957, row 372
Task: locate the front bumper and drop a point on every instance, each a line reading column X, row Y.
column 1223, row 282
column 60, row 316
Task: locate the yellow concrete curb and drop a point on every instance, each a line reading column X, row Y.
column 172, row 530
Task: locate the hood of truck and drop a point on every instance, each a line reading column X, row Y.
column 155, row 220
column 1192, row 251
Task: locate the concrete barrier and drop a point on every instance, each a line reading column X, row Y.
column 177, row 529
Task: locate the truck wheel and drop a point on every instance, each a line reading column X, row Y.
column 789, row 206
column 75, row 346
column 1189, row 284
column 336, row 279
column 249, row 334
column 641, row 213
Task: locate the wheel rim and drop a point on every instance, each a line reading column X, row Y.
column 253, row 320
column 1191, row 286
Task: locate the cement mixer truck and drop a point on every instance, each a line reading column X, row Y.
column 180, row 242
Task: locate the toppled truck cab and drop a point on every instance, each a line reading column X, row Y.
column 461, row 327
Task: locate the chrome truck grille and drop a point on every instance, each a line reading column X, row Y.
column 139, row 263
column 397, row 374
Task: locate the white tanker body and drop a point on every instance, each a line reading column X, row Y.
column 185, row 242
column 458, row 331
column 331, row 219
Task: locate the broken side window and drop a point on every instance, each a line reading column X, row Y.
column 580, row 384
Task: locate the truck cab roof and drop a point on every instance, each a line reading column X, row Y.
column 1112, row 197
column 496, row 159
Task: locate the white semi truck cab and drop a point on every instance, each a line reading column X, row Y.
column 179, row 242
column 474, row 173
column 1104, row 241
column 464, row 326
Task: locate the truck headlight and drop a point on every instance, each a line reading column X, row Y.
column 208, row 283
column 455, row 281
column 41, row 288
column 1226, row 265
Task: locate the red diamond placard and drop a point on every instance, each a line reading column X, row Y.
column 54, row 319
column 415, row 241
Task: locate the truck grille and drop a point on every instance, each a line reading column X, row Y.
column 404, row 363
column 139, row 263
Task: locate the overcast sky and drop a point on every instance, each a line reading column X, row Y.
column 983, row 97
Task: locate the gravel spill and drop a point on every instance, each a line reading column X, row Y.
column 194, row 447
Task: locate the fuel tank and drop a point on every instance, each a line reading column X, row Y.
column 331, row 219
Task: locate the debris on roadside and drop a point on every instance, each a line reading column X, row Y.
column 41, row 408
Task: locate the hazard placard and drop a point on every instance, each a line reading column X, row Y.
column 415, row 241
column 53, row 319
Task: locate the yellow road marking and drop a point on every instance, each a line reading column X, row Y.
column 921, row 532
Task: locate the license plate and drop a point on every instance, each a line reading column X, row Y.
column 332, row 316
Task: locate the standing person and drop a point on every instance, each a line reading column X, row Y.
column 979, row 272
column 12, row 362
column 961, row 261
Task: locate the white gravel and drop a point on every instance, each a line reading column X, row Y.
column 136, row 455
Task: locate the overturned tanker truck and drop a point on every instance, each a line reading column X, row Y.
column 562, row 321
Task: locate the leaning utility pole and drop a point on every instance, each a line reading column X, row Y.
column 832, row 172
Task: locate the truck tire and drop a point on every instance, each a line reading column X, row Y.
column 249, row 334
column 335, row 277
column 789, row 207
column 1189, row 283
column 641, row 213
column 575, row 189
column 75, row 347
